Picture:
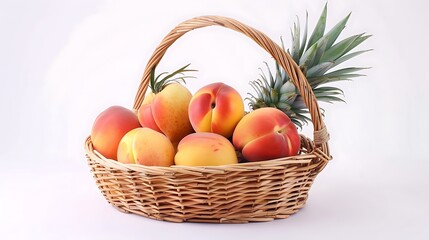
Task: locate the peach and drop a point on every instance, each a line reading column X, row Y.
column 167, row 112
column 146, row 119
column 205, row 149
column 266, row 133
column 109, row 128
column 216, row 108
column 147, row 147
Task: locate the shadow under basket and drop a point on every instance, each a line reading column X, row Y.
column 236, row 193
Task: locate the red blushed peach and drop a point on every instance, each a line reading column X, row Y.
column 216, row 108
column 205, row 149
column 109, row 128
column 147, row 147
column 148, row 120
column 266, row 133
column 167, row 112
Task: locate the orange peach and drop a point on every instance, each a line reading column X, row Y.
column 147, row 147
column 205, row 149
column 266, row 133
column 109, row 128
column 167, row 112
column 216, row 108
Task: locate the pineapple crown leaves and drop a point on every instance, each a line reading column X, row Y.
column 316, row 57
column 279, row 92
column 158, row 83
column 321, row 53
column 266, row 89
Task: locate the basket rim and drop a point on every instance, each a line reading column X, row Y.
column 305, row 158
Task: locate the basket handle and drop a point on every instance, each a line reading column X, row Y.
column 321, row 135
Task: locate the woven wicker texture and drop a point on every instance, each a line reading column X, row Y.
column 258, row 191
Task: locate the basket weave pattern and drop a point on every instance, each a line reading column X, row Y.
column 237, row 193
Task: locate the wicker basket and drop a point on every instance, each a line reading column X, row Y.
column 245, row 192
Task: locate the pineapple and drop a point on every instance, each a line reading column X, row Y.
column 316, row 58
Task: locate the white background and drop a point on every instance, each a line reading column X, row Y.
column 63, row 62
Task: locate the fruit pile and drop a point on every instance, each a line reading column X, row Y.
column 210, row 127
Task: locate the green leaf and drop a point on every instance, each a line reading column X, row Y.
column 257, row 89
column 319, row 30
column 152, row 79
column 330, row 99
column 328, row 90
column 358, row 41
column 160, row 75
column 299, row 122
column 279, row 77
column 349, row 56
column 327, row 79
column 157, row 84
column 283, row 106
column 320, row 51
column 299, row 103
column 288, row 98
column 271, row 83
column 336, row 31
column 178, row 71
column 304, row 38
column 339, row 49
column 319, row 69
column 288, row 87
column 327, row 94
column 345, row 71
column 308, row 55
column 266, row 94
column 274, row 96
column 295, row 41
column 300, row 110
column 282, row 76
